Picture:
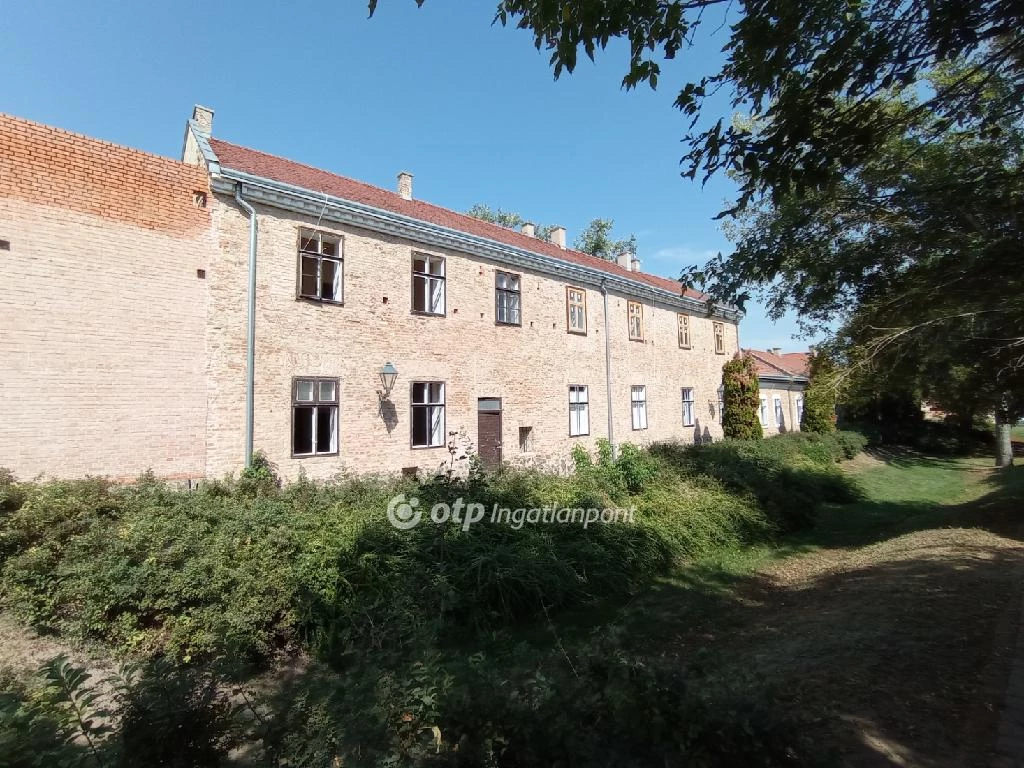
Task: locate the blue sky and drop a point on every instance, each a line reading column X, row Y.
column 472, row 110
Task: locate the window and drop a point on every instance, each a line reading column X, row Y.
column 684, row 330
column 579, row 411
column 428, row 284
column 576, row 310
column 638, row 402
column 320, row 267
column 507, row 299
column 719, row 338
column 778, row 412
column 799, row 410
column 427, row 414
column 525, row 439
column 314, row 417
column 721, row 403
column 764, row 411
column 687, row 407
column 636, row 320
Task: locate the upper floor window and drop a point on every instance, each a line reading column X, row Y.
column 576, row 310
column 320, row 267
column 507, row 299
column 428, row 284
column 579, row 410
column 314, row 417
column 638, row 401
column 427, row 414
column 719, row 338
column 687, row 406
column 636, row 320
column 684, row 330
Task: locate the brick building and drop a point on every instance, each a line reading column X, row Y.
column 502, row 342
column 782, row 377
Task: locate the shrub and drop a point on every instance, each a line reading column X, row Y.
column 741, row 399
column 820, row 397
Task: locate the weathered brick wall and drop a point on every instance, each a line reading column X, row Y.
column 788, row 394
column 529, row 367
column 102, row 315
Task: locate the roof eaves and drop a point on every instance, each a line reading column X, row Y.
column 279, row 194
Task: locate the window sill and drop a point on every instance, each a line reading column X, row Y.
column 634, row 338
column 423, row 313
column 583, row 434
column 689, row 346
column 314, row 300
column 576, row 333
column 508, row 325
column 427, row 447
column 314, row 455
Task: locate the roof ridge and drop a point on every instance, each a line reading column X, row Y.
column 628, row 273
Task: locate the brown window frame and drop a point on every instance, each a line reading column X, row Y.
column 413, row 405
column 718, row 329
column 683, row 330
column 428, row 277
column 315, row 404
column 630, row 305
column 498, row 291
column 306, row 235
column 568, row 306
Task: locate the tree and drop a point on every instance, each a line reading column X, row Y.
column 597, row 240
column 820, row 396
column 807, row 70
column 741, row 398
column 508, row 219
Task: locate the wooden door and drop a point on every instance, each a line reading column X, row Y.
column 488, row 426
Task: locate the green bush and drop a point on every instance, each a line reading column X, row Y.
column 741, row 399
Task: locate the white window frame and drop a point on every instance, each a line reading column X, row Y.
column 779, row 415
column 311, row 247
column 435, row 284
column 721, row 405
column 428, row 397
column 799, row 410
column 315, row 403
column 579, row 410
column 508, row 298
column 764, row 412
column 638, row 405
column 689, row 407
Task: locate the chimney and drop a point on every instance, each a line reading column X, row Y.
column 623, row 259
column 528, row 230
column 405, row 185
column 203, row 118
column 776, row 351
column 634, row 263
column 558, row 236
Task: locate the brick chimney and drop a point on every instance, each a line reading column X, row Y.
column 405, row 185
column 529, row 230
column 634, row 263
column 558, row 236
column 203, row 118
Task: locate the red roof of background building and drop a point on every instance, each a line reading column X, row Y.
column 787, row 364
column 261, row 164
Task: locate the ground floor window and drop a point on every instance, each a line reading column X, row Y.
column 638, row 401
column 721, row 404
column 799, row 410
column 314, row 417
column 427, row 414
column 779, row 421
column 687, row 406
column 579, row 411
column 764, row 411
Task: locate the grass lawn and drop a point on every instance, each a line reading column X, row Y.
column 891, row 622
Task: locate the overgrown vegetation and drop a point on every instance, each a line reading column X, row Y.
column 741, row 398
column 421, row 631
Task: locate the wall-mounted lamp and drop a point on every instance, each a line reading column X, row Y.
column 388, row 374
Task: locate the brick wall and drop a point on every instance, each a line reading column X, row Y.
column 102, row 322
column 528, row 367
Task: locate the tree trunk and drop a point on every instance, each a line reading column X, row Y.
column 1004, row 447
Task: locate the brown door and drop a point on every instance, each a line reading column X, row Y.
column 488, row 426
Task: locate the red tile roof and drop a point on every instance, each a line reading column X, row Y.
column 279, row 169
column 788, row 364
